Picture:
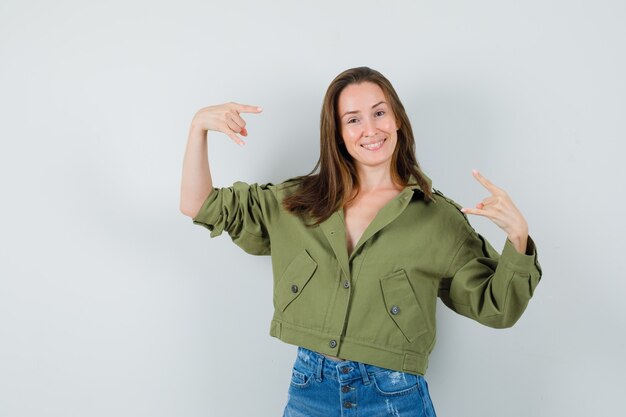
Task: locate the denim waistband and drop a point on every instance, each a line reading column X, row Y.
column 341, row 371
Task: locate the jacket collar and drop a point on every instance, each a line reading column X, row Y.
column 334, row 227
column 413, row 185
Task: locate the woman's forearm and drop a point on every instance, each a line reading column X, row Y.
column 196, row 184
column 196, row 181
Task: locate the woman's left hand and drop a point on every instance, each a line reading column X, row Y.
column 499, row 208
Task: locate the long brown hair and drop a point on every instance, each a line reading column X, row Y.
column 337, row 182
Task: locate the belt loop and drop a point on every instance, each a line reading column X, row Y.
column 366, row 379
column 320, row 368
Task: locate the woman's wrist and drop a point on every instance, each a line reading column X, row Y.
column 519, row 240
column 197, row 131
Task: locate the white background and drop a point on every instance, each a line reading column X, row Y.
column 113, row 304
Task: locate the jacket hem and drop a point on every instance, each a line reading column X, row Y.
column 404, row 361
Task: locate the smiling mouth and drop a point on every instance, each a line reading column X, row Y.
column 374, row 146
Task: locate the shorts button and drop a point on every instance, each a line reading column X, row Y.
column 332, row 343
column 348, row 404
column 345, row 388
column 345, row 369
column 294, row 288
column 395, row 310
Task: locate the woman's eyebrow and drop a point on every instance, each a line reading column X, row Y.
column 357, row 111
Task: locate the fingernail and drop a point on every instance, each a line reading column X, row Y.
column 259, row 108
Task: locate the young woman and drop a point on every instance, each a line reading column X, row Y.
column 361, row 249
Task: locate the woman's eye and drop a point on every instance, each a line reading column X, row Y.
column 352, row 120
column 380, row 113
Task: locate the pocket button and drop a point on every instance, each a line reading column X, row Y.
column 395, row 310
column 294, row 288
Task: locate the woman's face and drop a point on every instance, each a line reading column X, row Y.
column 367, row 124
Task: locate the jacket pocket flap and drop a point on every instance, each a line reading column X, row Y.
column 402, row 305
column 294, row 279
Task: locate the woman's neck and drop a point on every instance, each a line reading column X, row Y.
column 375, row 178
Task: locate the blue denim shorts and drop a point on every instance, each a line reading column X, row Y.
column 323, row 387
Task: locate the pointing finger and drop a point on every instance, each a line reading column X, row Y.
column 485, row 182
column 476, row 211
column 246, row 108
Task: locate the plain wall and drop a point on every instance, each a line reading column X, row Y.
column 112, row 303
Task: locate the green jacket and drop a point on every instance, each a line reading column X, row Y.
column 377, row 305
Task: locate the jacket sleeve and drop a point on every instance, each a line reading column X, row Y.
column 241, row 210
column 491, row 289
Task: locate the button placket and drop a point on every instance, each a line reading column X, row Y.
column 348, row 395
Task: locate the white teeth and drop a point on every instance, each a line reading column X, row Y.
column 373, row 146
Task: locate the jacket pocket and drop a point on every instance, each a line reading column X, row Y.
column 294, row 279
column 402, row 305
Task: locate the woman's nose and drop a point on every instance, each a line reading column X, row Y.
column 369, row 127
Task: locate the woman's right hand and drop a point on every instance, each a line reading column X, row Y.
column 225, row 118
